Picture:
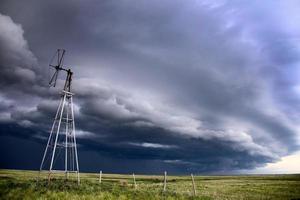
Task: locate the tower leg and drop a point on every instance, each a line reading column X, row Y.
column 49, row 139
column 56, row 137
column 74, row 137
column 66, row 141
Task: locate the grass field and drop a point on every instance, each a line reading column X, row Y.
column 16, row 184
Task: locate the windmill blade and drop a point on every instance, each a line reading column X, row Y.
column 60, row 57
column 53, row 79
column 56, row 64
column 54, row 76
column 53, row 59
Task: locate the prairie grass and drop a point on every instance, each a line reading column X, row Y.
column 16, row 184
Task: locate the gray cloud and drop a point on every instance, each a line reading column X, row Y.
column 17, row 61
column 209, row 77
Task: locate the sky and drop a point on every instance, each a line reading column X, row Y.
column 209, row 87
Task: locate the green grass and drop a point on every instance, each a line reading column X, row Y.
column 23, row 185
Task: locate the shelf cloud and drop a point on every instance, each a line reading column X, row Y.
column 201, row 86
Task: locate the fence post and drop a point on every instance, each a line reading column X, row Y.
column 135, row 186
column 165, row 181
column 100, row 176
column 194, row 187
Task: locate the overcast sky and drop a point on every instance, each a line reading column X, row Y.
column 185, row 86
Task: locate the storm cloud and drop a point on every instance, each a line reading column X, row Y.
column 202, row 86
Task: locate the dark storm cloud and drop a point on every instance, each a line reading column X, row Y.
column 17, row 62
column 200, row 86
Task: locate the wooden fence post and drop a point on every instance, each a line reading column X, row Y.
column 165, row 181
column 100, row 176
column 194, row 187
column 135, row 186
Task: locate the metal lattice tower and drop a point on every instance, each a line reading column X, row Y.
column 61, row 151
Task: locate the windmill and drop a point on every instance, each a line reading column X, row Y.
column 62, row 136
